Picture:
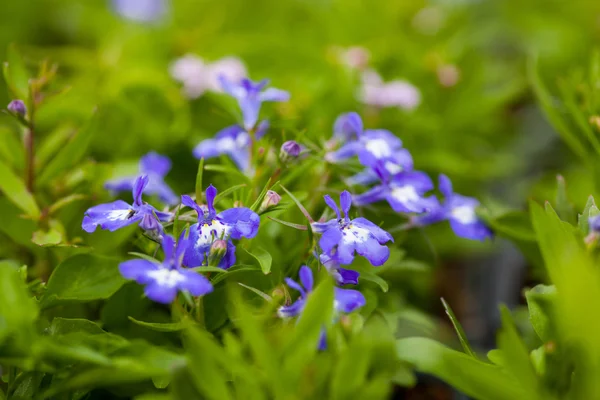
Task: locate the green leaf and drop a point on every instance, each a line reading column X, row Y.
column 14, row 189
column 459, row 330
column 164, row 327
column 290, row 224
column 257, row 292
column 516, row 357
column 16, row 74
column 199, row 174
column 475, row 378
column 263, row 257
column 300, row 206
column 204, row 354
column 542, row 313
column 18, row 311
column 589, row 210
column 564, row 207
column 72, row 152
column 226, row 192
column 368, row 274
column 81, row 278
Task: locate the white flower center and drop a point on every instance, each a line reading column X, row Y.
column 464, row 214
column 379, row 148
column 405, row 194
column 392, row 168
column 118, row 215
column 354, row 234
column 209, row 232
column 166, row 277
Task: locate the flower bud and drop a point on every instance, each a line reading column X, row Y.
column 271, row 200
column 290, row 150
column 17, row 107
column 217, row 251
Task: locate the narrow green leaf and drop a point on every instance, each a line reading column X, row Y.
column 199, row 175
column 475, row 378
column 459, row 330
column 564, row 208
column 300, row 206
column 589, row 210
column 541, row 301
column 255, row 206
column 18, row 311
column 164, row 327
column 263, row 257
column 226, row 192
column 290, row 224
column 81, row 278
column 256, row 291
column 16, row 74
column 14, row 189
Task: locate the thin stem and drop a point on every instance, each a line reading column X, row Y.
column 29, row 158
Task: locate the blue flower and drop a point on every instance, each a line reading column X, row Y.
column 345, row 300
column 405, row 192
column 594, row 223
column 459, row 210
column 156, row 167
column 343, row 237
column 250, row 95
column 163, row 281
column 233, row 141
column 234, row 223
column 141, row 10
column 341, row 275
column 118, row 214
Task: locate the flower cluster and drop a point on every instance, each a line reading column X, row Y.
column 208, row 241
column 390, row 166
column 235, row 141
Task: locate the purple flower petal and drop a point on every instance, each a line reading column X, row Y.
column 154, row 163
column 195, row 283
column 292, row 310
column 160, row 293
column 330, row 239
column 346, row 202
column 306, row 278
column 348, row 300
column 379, row 234
column 243, row 222
column 138, row 270
column 138, row 188
column 272, row 94
column 348, row 126
column 110, row 216
column 331, row 203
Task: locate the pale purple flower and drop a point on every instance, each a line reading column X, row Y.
column 163, row 281
column 397, row 93
column 250, row 96
column 141, row 10
column 118, row 214
column 198, row 76
column 341, row 275
column 155, row 167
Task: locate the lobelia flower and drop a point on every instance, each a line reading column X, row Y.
column 372, row 146
column 198, row 77
column 156, row 167
column 250, row 95
column 342, row 237
column 118, row 214
column 345, row 300
column 141, row 10
column 341, row 275
column 163, row 281
column 234, row 223
column 233, row 141
column 459, row 210
column 405, row 192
